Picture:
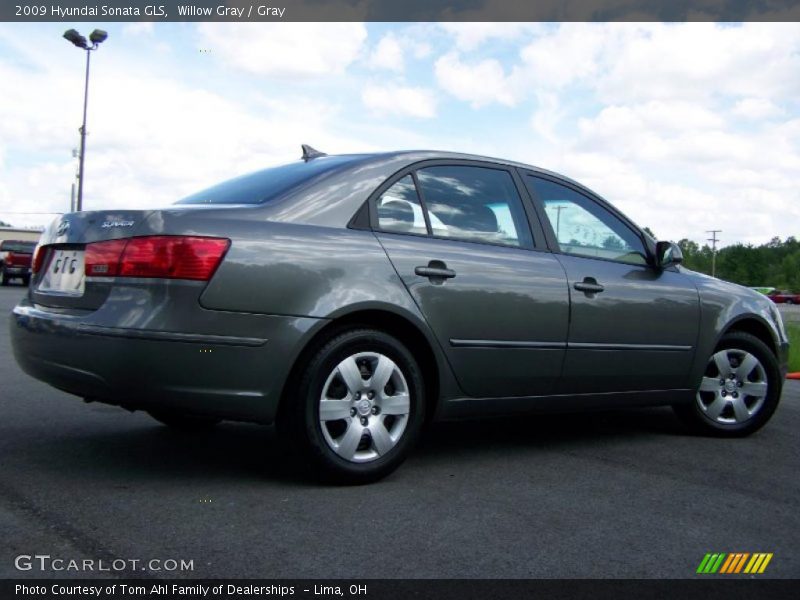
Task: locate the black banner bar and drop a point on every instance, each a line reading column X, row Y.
column 713, row 588
column 398, row 11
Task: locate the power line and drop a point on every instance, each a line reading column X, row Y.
column 713, row 239
column 21, row 212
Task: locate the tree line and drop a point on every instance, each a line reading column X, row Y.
column 774, row 264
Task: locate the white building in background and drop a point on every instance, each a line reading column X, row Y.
column 16, row 233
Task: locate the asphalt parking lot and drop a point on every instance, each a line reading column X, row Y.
column 790, row 312
column 618, row 494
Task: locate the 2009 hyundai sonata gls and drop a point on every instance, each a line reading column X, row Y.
column 352, row 298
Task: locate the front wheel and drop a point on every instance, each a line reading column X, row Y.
column 739, row 391
column 358, row 407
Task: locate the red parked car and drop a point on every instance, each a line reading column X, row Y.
column 15, row 260
column 784, row 297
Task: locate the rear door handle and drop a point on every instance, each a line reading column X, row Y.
column 588, row 285
column 436, row 270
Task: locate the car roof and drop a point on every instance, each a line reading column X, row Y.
column 414, row 156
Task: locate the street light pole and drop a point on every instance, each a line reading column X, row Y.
column 79, row 205
column 97, row 37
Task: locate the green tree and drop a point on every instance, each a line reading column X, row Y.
column 612, row 242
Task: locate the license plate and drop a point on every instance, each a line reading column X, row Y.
column 64, row 274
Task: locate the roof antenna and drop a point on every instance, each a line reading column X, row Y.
column 310, row 153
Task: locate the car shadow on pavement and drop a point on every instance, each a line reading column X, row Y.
column 552, row 430
column 153, row 452
column 235, row 451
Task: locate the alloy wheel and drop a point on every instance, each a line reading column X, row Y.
column 364, row 407
column 733, row 388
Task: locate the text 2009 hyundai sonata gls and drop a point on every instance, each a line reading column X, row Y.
column 352, row 298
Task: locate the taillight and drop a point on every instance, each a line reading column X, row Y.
column 102, row 258
column 38, row 259
column 161, row 256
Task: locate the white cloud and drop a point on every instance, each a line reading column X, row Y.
column 421, row 49
column 547, row 118
column 151, row 140
column 638, row 62
column 480, row 83
column 141, row 28
column 399, row 100
column 685, row 126
column 756, row 108
column 469, row 36
column 292, row 50
column 699, row 61
column 568, row 54
column 656, row 130
column 388, row 54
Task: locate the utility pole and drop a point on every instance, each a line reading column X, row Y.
column 558, row 219
column 713, row 239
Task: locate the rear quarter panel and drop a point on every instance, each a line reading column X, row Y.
column 304, row 270
column 319, row 272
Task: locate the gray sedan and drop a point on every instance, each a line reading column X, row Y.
column 351, row 299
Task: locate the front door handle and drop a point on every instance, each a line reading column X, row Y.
column 436, row 271
column 588, row 285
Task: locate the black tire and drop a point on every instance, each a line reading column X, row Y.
column 697, row 419
column 183, row 422
column 4, row 278
column 26, row 281
column 300, row 423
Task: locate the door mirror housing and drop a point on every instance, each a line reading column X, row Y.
column 668, row 254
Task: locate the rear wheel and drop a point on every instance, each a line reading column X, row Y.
column 358, row 407
column 182, row 421
column 739, row 391
column 4, row 278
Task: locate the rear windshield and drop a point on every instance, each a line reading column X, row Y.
column 19, row 247
column 266, row 185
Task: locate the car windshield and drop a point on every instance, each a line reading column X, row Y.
column 268, row 184
column 19, row 247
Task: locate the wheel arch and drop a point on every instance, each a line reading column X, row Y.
column 745, row 321
column 756, row 327
column 405, row 328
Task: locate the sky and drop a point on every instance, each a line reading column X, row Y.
column 685, row 127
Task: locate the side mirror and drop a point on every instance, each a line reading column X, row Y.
column 668, row 254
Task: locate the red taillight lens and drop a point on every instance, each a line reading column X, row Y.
column 38, row 259
column 102, row 258
column 162, row 256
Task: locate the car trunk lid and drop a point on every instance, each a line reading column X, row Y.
column 62, row 247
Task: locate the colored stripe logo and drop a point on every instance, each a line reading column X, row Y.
column 736, row 562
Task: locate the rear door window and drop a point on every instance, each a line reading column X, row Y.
column 399, row 209
column 477, row 204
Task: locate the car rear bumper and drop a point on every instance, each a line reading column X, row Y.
column 233, row 377
column 17, row 271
